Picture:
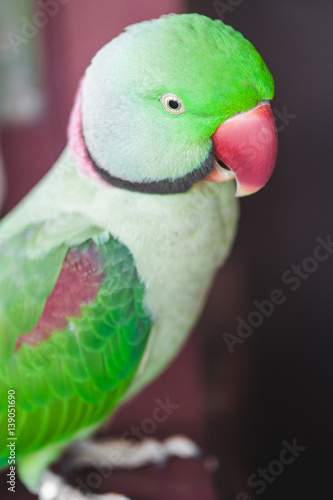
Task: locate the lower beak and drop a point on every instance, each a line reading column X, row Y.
column 245, row 149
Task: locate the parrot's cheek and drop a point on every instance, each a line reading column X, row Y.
column 245, row 148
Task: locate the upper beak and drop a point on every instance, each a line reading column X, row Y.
column 246, row 146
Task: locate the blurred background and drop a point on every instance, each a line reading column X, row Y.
column 245, row 403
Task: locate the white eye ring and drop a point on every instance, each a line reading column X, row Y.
column 173, row 104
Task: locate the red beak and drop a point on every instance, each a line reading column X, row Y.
column 246, row 143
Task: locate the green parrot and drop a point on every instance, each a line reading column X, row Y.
column 106, row 264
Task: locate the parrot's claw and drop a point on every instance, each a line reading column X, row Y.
column 53, row 487
column 182, row 447
column 124, row 454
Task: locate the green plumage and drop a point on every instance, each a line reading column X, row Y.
column 210, row 66
column 155, row 255
column 73, row 379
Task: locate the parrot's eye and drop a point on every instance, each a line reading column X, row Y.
column 173, row 104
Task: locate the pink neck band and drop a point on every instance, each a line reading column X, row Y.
column 76, row 142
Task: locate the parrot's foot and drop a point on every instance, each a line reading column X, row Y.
column 53, row 487
column 107, row 455
column 124, row 454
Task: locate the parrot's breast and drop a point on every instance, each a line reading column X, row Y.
column 178, row 242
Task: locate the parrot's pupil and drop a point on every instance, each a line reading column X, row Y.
column 173, row 104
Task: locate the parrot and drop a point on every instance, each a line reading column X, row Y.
column 106, row 264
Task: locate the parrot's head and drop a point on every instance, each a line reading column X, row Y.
column 176, row 100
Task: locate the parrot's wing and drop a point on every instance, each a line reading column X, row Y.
column 73, row 328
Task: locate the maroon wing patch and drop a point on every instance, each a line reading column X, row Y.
column 78, row 283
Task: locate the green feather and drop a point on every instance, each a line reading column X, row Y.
column 72, row 380
column 211, row 67
column 159, row 253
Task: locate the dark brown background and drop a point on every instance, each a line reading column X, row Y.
column 278, row 385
